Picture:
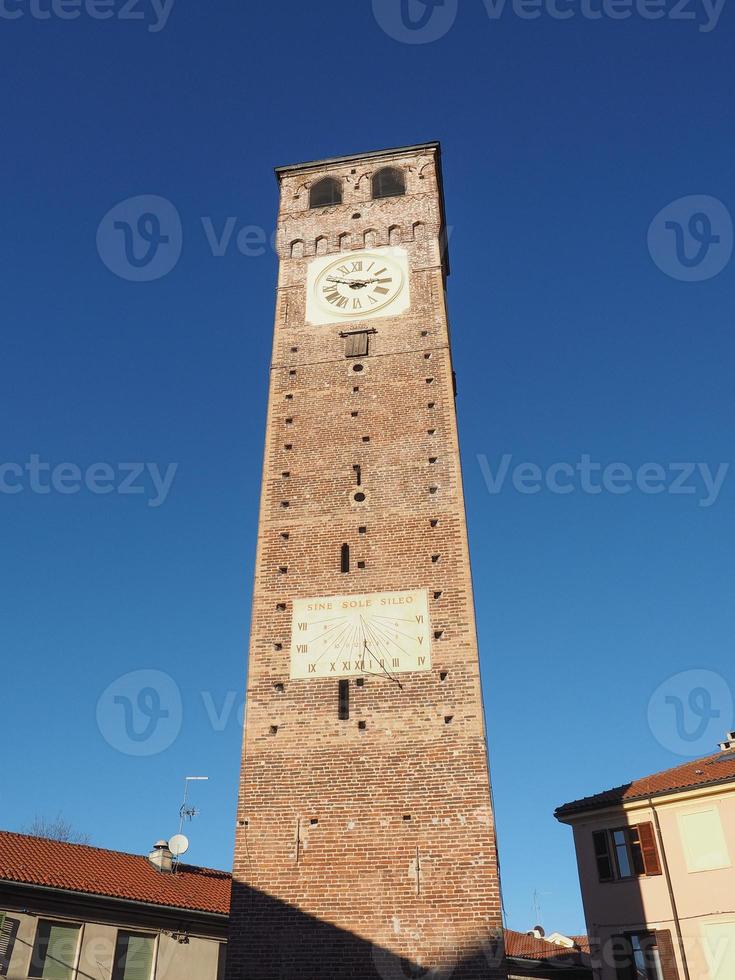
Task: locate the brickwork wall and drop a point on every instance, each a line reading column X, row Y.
column 380, row 837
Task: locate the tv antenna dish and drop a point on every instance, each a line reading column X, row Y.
column 178, row 845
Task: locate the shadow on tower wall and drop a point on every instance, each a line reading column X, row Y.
column 271, row 940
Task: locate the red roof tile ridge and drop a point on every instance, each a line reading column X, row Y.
column 195, row 868
column 525, row 945
column 644, row 786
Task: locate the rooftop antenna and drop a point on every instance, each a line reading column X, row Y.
column 179, row 843
column 187, row 812
column 536, row 905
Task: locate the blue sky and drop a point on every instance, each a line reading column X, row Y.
column 563, row 139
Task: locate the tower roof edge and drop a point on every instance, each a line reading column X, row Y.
column 371, row 154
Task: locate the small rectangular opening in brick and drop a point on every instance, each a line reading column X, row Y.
column 343, row 693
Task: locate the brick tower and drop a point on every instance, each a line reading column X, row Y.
column 365, row 841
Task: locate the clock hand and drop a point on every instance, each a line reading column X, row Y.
column 352, row 283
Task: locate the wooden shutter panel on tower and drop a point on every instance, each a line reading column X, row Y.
column 356, row 344
column 602, row 855
column 647, row 837
column 666, row 954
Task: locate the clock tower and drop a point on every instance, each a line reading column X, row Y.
column 365, row 841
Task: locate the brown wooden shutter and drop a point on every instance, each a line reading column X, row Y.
column 603, row 857
column 647, row 837
column 356, row 344
column 666, row 954
column 8, row 933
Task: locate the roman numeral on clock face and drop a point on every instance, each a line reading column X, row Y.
column 357, row 287
column 335, row 298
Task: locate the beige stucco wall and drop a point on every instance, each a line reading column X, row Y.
column 705, row 899
column 199, row 959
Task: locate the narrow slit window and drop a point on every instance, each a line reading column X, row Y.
column 345, row 559
column 344, row 700
column 358, row 474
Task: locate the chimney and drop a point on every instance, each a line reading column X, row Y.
column 729, row 742
column 160, row 857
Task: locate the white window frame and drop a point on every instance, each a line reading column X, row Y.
column 56, row 920
column 155, row 936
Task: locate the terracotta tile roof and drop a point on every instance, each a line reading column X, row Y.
column 76, row 867
column 523, row 946
column 712, row 769
column 113, row 874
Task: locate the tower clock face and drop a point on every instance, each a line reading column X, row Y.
column 381, row 634
column 358, row 286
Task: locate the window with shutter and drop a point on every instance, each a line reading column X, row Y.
column 54, row 951
column 357, row 344
column 647, row 837
column 667, row 958
column 133, row 957
column 8, row 932
column 602, row 855
column 626, row 852
column 620, row 954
